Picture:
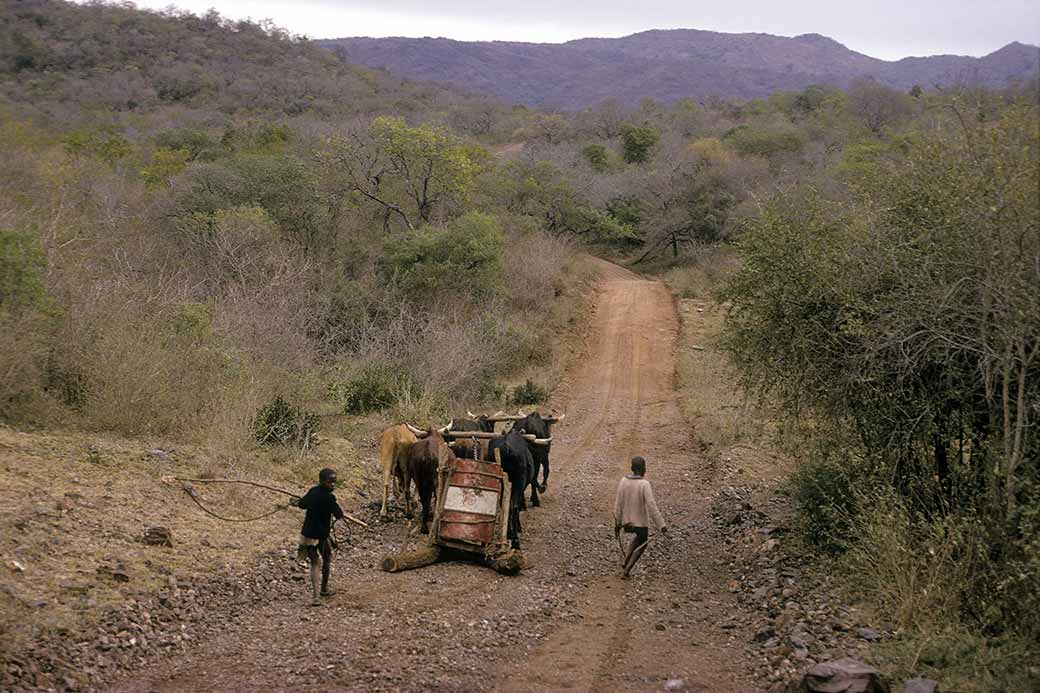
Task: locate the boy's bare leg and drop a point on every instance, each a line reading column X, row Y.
column 315, row 579
column 326, row 570
column 635, row 551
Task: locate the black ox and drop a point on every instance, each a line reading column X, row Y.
column 534, row 424
column 477, row 423
column 515, row 456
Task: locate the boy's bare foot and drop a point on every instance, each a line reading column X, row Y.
column 315, row 602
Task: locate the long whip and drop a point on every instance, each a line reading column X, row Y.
column 185, row 480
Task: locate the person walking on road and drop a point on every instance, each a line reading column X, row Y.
column 634, row 509
column 315, row 540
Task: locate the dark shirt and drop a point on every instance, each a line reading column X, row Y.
column 321, row 505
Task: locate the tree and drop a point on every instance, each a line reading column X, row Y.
column 637, row 142
column 540, row 190
column 688, row 204
column 766, row 143
column 876, row 105
column 598, row 157
column 285, row 187
column 409, row 172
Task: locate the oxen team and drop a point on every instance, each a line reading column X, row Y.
column 410, row 455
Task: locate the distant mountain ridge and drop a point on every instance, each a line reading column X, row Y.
column 668, row 65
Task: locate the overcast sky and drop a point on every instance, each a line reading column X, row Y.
column 888, row 29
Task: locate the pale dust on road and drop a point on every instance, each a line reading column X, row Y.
column 568, row 623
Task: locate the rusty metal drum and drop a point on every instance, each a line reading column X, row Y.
column 472, row 508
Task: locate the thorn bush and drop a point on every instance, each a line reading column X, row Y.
column 529, row 393
column 279, row 423
column 376, row 387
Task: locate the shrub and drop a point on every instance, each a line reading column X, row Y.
column 24, row 319
column 749, row 141
column 376, row 387
column 282, row 185
column 165, row 164
column 103, row 143
column 929, row 376
column 142, row 375
column 529, row 393
column 637, row 142
column 279, row 423
column 21, row 271
column 824, row 491
column 465, row 258
column 711, row 151
column 197, row 143
column 598, row 157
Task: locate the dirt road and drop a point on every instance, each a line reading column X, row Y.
column 568, row 622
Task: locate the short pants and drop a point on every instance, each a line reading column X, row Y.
column 310, row 549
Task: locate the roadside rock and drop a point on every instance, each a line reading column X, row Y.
column 157, row 536
column 920, row 685
column 842, row 676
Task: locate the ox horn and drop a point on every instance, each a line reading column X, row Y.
column 418, row 432
column 471, row 414
column 542, row 441
column 521, row 412
column 445, row 429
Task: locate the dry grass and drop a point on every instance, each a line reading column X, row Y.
column 73, row 503
column 561, row 328
column 703, row 274
column 725, row 425
column 710, row 397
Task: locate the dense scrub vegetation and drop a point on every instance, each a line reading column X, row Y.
column 894, row 324
column 213, row 229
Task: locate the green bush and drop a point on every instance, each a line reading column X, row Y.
column 376, row 387
column 26, row 320
column 105, row 143
column 529, row 393
column 598, row 157
column 824, row 492
column 638, row 142
column 282, row 185
column 924, row 374
column 749, row 141
column 279, row 423
column 197, row 143
column 464, row 258
column 21, row 271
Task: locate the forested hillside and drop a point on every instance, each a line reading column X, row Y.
column 202, row 218
column 672, row 65
column 65, row 59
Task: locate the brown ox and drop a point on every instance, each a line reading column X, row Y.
column 423, row 461
column 394, row 444
column 470, row 448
